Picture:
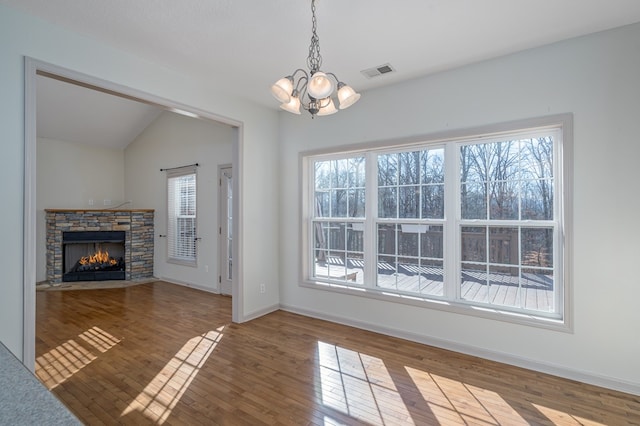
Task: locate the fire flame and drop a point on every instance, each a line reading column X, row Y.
column 98, row 257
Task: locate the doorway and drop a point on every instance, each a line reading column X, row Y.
column 225, row 195
column 34, row 68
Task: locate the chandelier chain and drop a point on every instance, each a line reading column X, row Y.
column 314, row 60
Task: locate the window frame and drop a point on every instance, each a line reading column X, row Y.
column 488, row 223
column 346, row 220
column 561, row 320
column 173, row 174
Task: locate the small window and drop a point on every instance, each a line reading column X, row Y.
column 181, row 216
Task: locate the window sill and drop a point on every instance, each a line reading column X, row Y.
column 190, row 263
column 493, row 313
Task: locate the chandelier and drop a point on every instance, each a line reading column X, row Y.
column 313, row 91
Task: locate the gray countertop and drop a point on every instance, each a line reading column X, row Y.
column 24, row 400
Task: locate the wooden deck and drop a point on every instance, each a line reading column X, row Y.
column 502, row 289
column 158, row 353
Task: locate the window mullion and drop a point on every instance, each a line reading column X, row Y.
column 559, row 248
column 371, row 215
column 309, row 268
column 451, row 224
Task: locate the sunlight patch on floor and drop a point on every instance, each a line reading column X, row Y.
column 561, row 418
column 359, row 386
column 62, row 362
column 161, row 395
column 99, row 339
column 329, row 421
column 453, row 401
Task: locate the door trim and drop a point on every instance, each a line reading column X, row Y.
column 33, row 67
column 222, row 240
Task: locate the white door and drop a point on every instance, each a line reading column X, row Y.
column 226, row 229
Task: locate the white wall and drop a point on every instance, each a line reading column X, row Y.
column 22, row 35
column 69, row 175
column 174, row 140
column 596, row 78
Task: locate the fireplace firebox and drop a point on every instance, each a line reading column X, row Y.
column 93, row 255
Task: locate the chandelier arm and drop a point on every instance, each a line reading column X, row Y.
column 306, row 105
column 299, row 70
column 301, row 85
column 298, row 76
column 334, row 77
column 326, row 102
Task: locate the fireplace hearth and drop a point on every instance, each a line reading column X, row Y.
column 93, row 255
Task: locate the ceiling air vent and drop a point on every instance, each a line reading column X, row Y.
column 378, row 71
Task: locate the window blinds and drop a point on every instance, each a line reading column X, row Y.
column 181, row 214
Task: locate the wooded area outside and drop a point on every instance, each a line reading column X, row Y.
column 506, row 229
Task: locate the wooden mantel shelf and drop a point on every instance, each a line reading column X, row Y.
column 97, row 210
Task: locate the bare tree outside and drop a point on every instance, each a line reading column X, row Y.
column 505, row 233
column 410, row 188
column 507, row 181
column 339, row 194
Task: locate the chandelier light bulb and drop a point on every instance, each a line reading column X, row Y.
column 293, row 106
column 347, row 96
column 282, row 89
column 320, row 86
column 327, row 109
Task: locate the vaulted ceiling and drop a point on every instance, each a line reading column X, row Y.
column 71, row 113
column 244, row 46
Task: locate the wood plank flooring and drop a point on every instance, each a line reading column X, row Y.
column 158, row 353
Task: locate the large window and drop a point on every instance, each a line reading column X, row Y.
column 473, row 222
column 181, row 216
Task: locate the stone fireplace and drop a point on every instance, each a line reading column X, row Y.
column 97, row 245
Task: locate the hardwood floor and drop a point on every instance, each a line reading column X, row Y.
column 159, row 353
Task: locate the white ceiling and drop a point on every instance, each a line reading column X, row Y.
column 244, row 46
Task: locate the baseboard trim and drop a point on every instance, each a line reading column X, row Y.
column 247, row 317
column 555, row 370
column 260, row 312
column 188, row 284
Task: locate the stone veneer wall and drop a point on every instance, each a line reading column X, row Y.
column 138, row 227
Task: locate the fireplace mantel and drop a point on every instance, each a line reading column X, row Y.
column 137, row 224
column 98, row 210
